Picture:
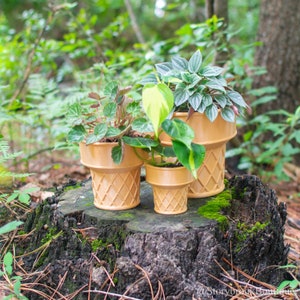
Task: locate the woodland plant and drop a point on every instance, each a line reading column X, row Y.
column 158, row 102
column 109, row 117
column 198, row 88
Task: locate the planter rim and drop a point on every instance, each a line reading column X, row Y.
column 182, row 176
column 93, row 159
column 215, row 141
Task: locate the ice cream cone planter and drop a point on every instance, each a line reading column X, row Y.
column 214, row 136
column 115, row 186
column 170, row 188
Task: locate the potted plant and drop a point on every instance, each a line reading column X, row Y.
column 169, row 168
column 99, row 124
column 205, row 100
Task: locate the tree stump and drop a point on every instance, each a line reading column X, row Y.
column 181, row 256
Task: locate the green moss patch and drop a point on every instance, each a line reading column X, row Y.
column 213, row 208
column 245, row 231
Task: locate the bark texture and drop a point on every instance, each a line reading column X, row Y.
column 182, row 260
column 279, row 32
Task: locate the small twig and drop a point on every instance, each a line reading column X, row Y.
column 148, row 279
column 31, row 56
column 134, row 23
column 61, row 282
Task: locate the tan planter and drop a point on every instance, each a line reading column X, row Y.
column 170, row 188
column 115, row 187
column 214, row 136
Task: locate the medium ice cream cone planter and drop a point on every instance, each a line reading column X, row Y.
column 170, row 188
column 214, row 136
column 115, row 186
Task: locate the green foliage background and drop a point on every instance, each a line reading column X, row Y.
column 52, row 53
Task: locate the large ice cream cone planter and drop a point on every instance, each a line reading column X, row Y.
column 214, row 136
column 170, row 188
column 115, row 186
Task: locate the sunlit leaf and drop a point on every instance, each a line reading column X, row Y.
column 158, row 102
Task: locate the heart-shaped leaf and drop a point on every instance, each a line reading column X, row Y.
column 158, row 101
column 178, row 130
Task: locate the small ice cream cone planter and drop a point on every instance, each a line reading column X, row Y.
column 214, row 136
column 170, row 188
column 115, row 186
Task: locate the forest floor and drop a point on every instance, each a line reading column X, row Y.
column 52, row 172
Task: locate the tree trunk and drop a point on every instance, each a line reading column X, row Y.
column 182, row 256
column 220, row 9
column 279, row 32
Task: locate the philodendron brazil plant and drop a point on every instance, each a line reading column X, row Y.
column 107, row 117
column 158, row 102
column 198, row 88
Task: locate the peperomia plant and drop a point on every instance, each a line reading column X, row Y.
column 158, row 102
column 198, row 88
column 107, row 118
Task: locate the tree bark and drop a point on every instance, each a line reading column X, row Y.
column 182, row 257
column 220, row 9
column 279, row 32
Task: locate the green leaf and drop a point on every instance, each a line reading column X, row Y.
column 195, row 62
column 141, row 125
column 76, row 134
column 164, row 68
column 222, row 100
column 211, row 71
column 112, row 131
column 198, row 153
column 138, row 142
column 191, row 158
column 283, row 285
column 110, row 110
column 11, row 226
column 117, row 154
column 178, row 130
column 133, row 108
column 74, row 113
column 211, row 112
column 158, row 101
column 294, row 284
column 237, row 98
column 295, row 135
column 195, row 101
column 181, row 96
column 100, row 131
column 207, row 99
column 17, row 287
column 179, row 63
column 111, row 90
column 149, row 79
column 228, row 114
column 182, row 153
column 12, row 197
column 8, row 262
column 214, row 85
column 24, row 198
